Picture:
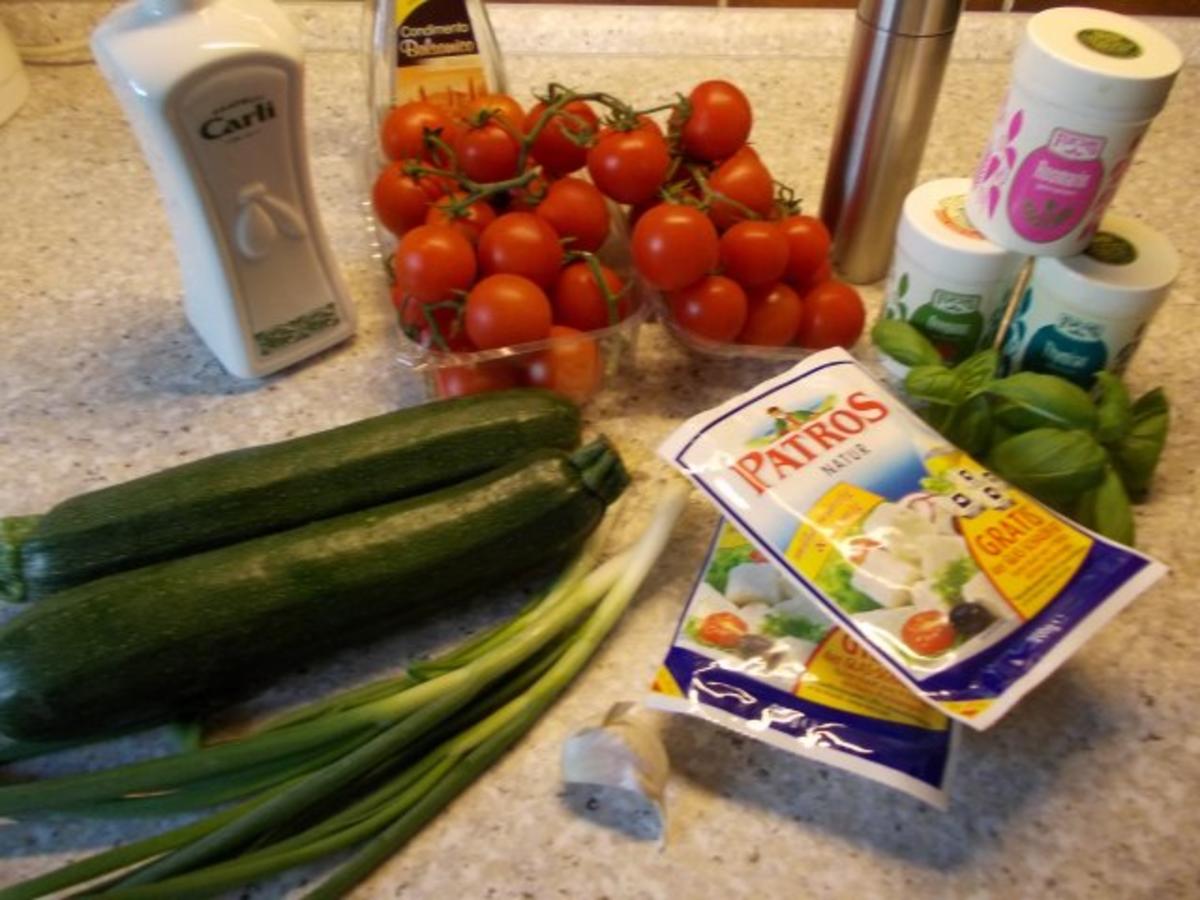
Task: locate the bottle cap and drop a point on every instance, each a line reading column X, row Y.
column 1100, row 60
column 914, row 18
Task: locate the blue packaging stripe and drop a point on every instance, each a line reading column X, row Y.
column 921, row 753
column 987, row 675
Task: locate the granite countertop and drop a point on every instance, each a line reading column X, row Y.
column 1087, row 789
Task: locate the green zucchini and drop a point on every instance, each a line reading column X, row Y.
column 174, row 638
column 260, row 490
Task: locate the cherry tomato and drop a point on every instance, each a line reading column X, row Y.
column 506, row 309
column 754, row 253
column 478, row 216
column 499, row 106
column 629, row 166
column 487, row 153
column 577, row 211
column 719, row 123
column 556, row 152
column 579, row 302
column 715, row 308
column 400, row 200
column 415, row 322
column 674, row 245
column 403, row 133
column 773, row 316
column 521, row 243
column 928, row 632
column 832, row 315
column 433, row 261
column 744, row 179
column 571, row 365
column 824, row 273
column 723, row 629
column 458, row 381
column 528, row 196
column 808, row 248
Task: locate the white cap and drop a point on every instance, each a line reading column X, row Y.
column 1111, row 64
column 935, row 231
column 1125, row 271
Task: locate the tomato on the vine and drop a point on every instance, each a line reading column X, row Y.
column 432, row 262
column 487, row 153
column 773, row 316
column 579, row 301
column 714, row 308
column 629, row 166
column 577, row 211
column 435, row 325
column 403, row 133
column 570, row 365
column 554, row 147
column 501, row 107
column 459, row 381
column 719, row 123
column 745, row 180
column 808, row 248
column 521, row 243
column 824, row 272
column 506, row 309
column 754, row 253
column 476, row 217
column 833, row 315
column 928, row 632
column 401, row 200
column 674, row 245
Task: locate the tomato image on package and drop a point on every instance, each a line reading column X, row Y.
column 967, row 590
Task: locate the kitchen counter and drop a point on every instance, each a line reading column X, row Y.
column 1087, row 789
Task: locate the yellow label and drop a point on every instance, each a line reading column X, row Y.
column 831, row 518
column 1028, row 554
column 665, row 683
column 841, row 675
column 968, row 709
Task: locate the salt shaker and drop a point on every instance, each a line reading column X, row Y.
column 897, row 59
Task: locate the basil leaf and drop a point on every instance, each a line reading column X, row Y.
column 1114, row 411
column 1136, row 455
column 1151, row 403
column 969, row 426
column 935, row 384
column 1105, row 508
column 1050, row 462
column 1032, row 400
column 978, row 370
column 903, row 343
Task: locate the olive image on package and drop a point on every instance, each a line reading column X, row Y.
column 970, row 591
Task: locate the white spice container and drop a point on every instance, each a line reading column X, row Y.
column 1088, row 312
column 1085, row 86
column 947, row 279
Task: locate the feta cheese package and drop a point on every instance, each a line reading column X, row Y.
column 758, row 656
column 969, row 591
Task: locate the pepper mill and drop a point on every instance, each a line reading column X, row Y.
column 897, row 59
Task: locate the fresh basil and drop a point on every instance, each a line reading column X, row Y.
column 1031, row 400
column 935, row 384
column 1050, row 461
column 1114, row 411
column 903, row 343
column 969, row 426
column 977, row 371
column 1105, row 508
column 1135, row 456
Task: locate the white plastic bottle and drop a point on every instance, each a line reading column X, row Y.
column 214, row 92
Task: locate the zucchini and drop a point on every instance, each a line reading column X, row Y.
column 260, row 490
column 178, row 637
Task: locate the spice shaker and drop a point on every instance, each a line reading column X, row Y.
column 897, row 59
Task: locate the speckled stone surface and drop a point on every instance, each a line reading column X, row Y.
column 1086, row 790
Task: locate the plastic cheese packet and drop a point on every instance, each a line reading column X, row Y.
column 967, row 589
column 757, row 656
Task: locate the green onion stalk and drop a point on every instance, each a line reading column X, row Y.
column 367, row 768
